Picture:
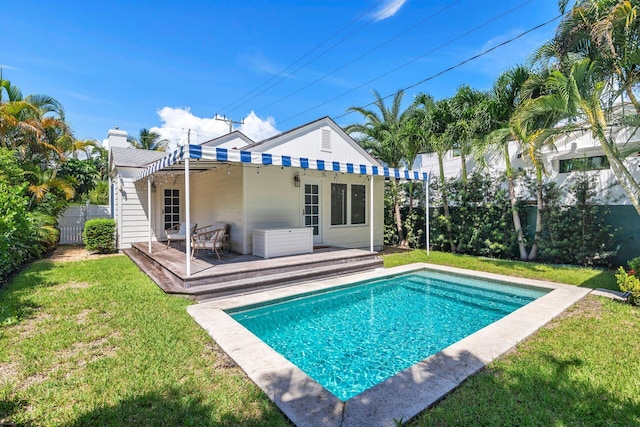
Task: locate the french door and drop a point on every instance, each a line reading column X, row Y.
column 171, row 207
column 311, row 209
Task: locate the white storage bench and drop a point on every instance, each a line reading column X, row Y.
column 274, row 242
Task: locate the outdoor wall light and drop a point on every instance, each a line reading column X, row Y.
column 296, row 180
column 153, row 186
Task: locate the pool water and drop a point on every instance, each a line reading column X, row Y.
column 355, row 337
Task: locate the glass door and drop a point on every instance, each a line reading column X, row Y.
column 311, row 209
column 171, row 209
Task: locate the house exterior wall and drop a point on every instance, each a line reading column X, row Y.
column 273, row 201
column 216, row 196
column 308, row 142
column 575, row 146
column 130, row 209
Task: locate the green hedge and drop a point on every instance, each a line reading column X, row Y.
column 18, row 242
column 99, row 235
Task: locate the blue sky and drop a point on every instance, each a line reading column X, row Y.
column 172, row 66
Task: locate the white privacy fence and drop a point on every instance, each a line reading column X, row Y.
column 72, row 220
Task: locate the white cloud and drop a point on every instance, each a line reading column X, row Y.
column 387, row 9
column 180, row 127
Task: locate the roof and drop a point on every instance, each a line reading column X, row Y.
column 251, row 147
column 133, row 157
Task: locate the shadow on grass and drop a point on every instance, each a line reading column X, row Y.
column 547, row 395
column 8, row 409
column 16, row 303
column 171, row 408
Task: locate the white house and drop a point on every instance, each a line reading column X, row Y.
column 314, row 176
column 572, row 153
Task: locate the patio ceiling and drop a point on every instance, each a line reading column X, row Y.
column 223, row 155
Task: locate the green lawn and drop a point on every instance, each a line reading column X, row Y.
column 97, row 343
column 578, row 276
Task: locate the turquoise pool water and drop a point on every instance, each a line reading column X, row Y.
column 355, row 337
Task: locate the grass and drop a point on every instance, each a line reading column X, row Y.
column 581, row 369
column 571, row 275
column 97, row 343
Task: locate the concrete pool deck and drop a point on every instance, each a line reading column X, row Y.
column 400, row 397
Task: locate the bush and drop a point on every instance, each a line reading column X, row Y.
column 99, row 235
column 628, row 281
column 18, row 243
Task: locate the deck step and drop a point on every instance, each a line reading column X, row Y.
column 167, row 281
column 253, row 284
column 259, row 272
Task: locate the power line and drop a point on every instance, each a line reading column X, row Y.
column 363, row 55
column 432, row 76
column 304, row 56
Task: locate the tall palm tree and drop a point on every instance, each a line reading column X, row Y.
column 149, row 141
column 608, row 33
column 505, row 98
column 577, row 95
column 383, row 135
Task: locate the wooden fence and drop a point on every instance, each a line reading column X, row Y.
column 71, row 222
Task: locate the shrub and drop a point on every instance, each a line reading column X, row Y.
column 17, row 233
column 99, row 235
column 628, row 281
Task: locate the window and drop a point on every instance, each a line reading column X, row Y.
column 358, row 204
column 338, row 204
column 348, row 202
column 584, row 164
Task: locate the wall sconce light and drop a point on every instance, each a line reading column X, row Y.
column 296, row 180
column 153, row 186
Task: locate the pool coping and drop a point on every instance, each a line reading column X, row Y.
column 400, row 397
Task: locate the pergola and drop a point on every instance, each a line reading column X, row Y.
column 180, row 159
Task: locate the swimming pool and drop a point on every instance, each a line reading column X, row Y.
column 355, row 337
column 307, row 403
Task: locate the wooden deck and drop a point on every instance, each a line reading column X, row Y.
column 239, row 274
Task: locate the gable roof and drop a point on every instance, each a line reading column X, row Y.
column 270, row 143
column 224, row 139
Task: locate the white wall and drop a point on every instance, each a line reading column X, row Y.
column 307, row 142
column 272, row 200
column 577, row 145
column 130, row 210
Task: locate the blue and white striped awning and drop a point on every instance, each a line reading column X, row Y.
column 265, row 159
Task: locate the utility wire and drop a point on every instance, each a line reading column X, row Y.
column 430, row 77
column 363, row 55
column 282, row 72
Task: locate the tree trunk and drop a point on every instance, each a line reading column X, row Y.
column 517, row 224
column 445, row 204
column 625, row 179
column 396, row 206
column 463, row 166
column 533, row 254
column 633, row 99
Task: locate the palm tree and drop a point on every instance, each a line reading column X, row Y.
column 505, row 98
column 148, row 141
column 608, row 33
column 577, row 95
column 438, row 122
column 383, row 135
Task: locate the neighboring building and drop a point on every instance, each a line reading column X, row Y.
column 336, row 203
column 572, row 154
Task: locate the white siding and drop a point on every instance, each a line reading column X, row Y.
column 131, row 209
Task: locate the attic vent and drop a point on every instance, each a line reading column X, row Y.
column 326, row 140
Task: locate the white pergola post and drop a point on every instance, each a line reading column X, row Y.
column 149, row 210
column 426, row 214
column 371, row 215
column 187, row 202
